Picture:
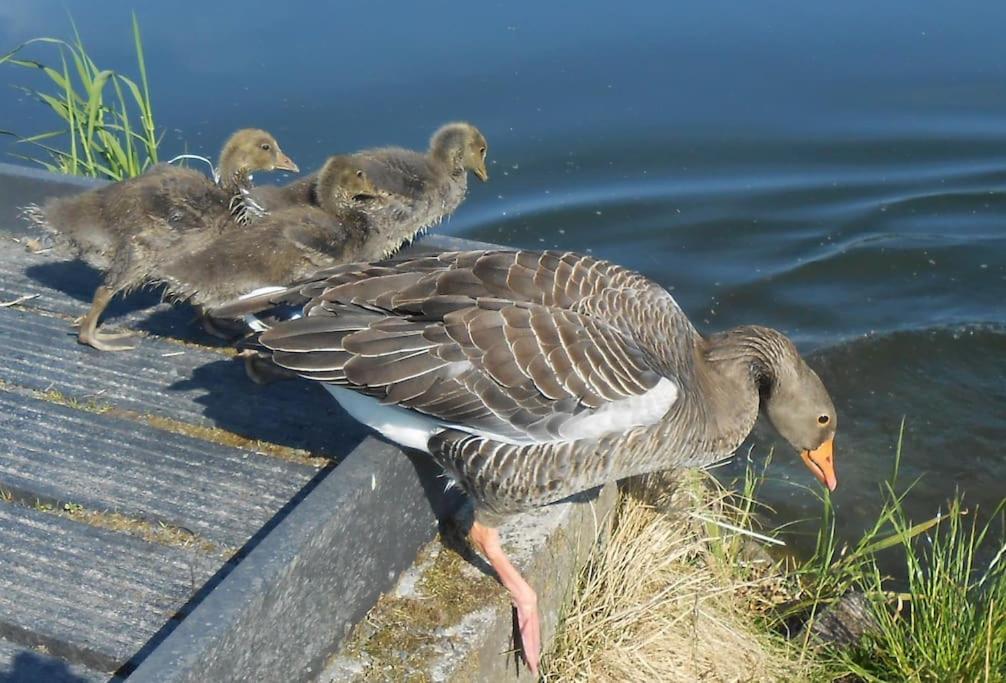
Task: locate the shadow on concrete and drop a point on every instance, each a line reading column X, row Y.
column 28, row 667
column 296, row 413
column 77, row 281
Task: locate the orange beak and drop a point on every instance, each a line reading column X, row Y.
column 285, row 163
column 821, row 462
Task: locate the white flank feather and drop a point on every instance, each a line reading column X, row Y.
column 404, row 427
column 620, row 416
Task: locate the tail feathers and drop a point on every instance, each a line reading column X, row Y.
column 76, row 224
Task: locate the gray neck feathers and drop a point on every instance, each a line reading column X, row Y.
column 446, row 146
column 742, row 364
column 764, row 351
column 721, row 388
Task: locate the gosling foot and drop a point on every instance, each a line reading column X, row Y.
column 228, row 330
column 261, row 370
column 108, row 341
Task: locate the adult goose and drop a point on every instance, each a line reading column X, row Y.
column 427, row 187
column 531, row 376
column 129, row 228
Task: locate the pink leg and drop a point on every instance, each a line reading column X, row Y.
column 487, row 540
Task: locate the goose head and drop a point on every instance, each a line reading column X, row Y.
column 343, row 181
column 789, row 392
column 461, row 147
column 799, row 407
column 250, row 150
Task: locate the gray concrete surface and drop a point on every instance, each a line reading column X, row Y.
column 447, row 619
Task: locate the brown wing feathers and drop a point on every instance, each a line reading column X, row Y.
column 458, row 337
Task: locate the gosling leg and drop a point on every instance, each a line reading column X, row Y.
column 89, row 333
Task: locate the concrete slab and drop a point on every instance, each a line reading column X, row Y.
column 88, row 594
column 447, row 619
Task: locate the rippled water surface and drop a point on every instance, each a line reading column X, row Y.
column 836, row 172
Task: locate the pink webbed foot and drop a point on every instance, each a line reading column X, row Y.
column 529, row 623
column 524, row 599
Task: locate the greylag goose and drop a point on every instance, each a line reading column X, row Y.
column 128, row 228
column 532, row 376
column 426, row 187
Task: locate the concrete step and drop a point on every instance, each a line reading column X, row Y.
column 448, row 619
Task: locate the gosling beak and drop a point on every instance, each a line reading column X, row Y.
column 285, row 163
column 820, row 462
column 481, row 172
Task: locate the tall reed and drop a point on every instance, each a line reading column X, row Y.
column 106, row 120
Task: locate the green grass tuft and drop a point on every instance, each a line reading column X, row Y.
column 951, row 623
column 106, row 127
column 946, row 621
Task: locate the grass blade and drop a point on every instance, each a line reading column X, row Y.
column 101, row 136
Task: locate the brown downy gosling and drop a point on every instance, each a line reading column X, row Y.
column 283, row 246
column 422, row 188
column 130, row 227
column 428, row 187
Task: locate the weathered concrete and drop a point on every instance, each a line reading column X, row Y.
column 447, row 618
column 281, row 611
column 90, row 595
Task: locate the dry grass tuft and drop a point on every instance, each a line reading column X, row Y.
column 673, row 596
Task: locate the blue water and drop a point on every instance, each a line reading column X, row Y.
column 835, row 171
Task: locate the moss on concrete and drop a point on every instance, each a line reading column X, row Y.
column 151, row 531
column 226, row 438
column 92, row 404
column 88, row 404
column 223, row 349
column 402, row 634
column 451, row 583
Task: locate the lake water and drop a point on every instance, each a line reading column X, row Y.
column 833, row 171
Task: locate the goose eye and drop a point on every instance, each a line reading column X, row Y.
column 359, row 174
column 823, row 420
column 266, row 146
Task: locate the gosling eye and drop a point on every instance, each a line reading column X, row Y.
column 359, row 174
column 266, row 146
column 823, row 420
column 482, row 151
